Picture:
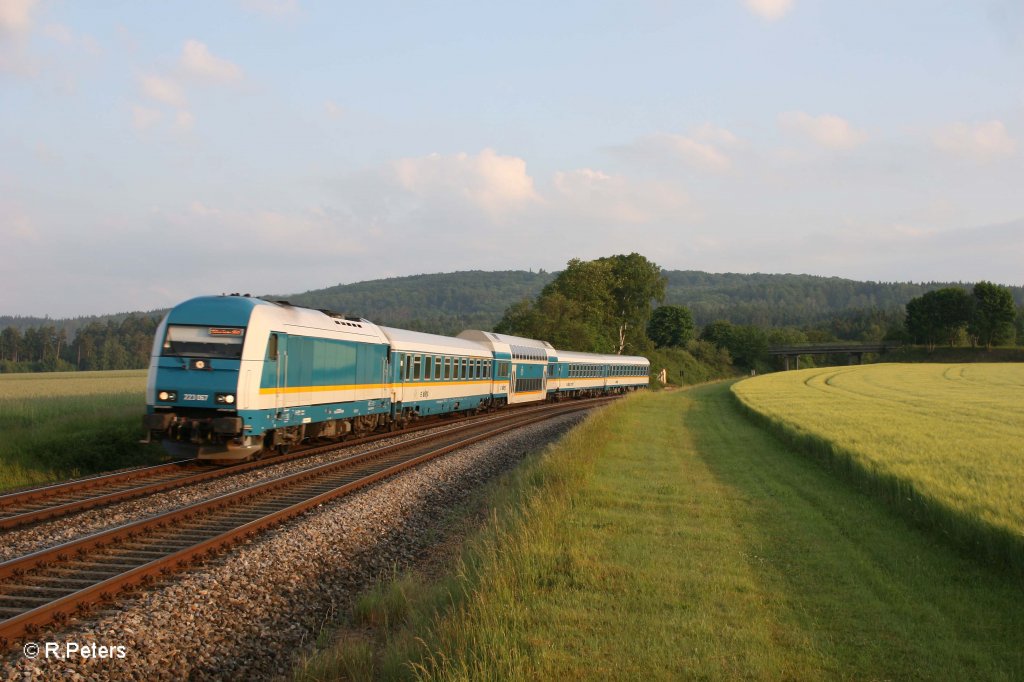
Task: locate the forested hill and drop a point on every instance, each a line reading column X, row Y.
column 780, row 300
column 448, row 303
column 440, row 303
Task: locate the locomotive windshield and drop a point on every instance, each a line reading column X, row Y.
column 204, row 342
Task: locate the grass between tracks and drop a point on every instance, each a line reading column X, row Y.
column 55, row 425
column 668, row 537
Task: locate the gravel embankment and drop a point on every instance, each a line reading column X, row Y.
column 249, row 613
column 21, row 541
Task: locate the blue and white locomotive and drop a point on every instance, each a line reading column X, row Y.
column 232, row 377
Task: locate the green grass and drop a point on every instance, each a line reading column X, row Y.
column 941, row 443
column 670, row 538
column 62, row 424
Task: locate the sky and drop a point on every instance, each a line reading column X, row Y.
column 151, row 152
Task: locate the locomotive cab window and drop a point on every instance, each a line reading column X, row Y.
column 196, row 341
column 272, row 347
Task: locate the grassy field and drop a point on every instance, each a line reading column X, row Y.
column 941, row 442
column 60, row 424
column 670, row 538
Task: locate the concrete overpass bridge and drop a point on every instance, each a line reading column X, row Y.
column 854, row 351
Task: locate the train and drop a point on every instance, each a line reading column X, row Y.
column 234, row 377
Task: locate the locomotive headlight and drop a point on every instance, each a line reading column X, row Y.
column 167, row 396
column 225, row 398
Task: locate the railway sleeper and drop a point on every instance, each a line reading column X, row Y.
column 83, row 582
column 91, row 576
column 29, row 590
column 24, row 599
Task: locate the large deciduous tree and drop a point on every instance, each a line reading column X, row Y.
column 939, row 316
column 670, row 326
column 601, row 305
column 992, row 322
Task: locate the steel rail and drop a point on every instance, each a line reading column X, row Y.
column 20, row 499
column 27, row 622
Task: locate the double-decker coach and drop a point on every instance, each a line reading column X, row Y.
column 521, row 365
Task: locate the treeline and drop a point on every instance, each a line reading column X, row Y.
column 762, row 310
column 986, row 316
column 123, row 344
column 437, row 303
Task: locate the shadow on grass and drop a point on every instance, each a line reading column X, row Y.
column 877, row 597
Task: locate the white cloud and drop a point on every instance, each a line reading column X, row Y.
column 196, row 59
column 333, row 109
column 60, row 33
column 144, row 118
column 495, row 184
column 15, row 16
column 827, row 130
column 712, row 133
column 771, row 10
column 703, row 148
column 184, row 120
column 163, row 90
column 982, row 141
column 587, row 194
column 699, row 153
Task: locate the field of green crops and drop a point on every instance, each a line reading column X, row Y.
column 60, row 424
column 943, row 442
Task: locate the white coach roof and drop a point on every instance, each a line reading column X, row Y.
column 405, row 340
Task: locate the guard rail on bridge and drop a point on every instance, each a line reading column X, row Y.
column 853, row 350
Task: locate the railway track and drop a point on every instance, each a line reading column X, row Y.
column 54, row 584
column 54, row 501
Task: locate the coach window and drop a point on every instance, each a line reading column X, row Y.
column 462, row 364
column 437, row 367
column 447, row 368
column 428, row 367
column 416, row 362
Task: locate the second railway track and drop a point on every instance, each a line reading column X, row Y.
column 60, row 499
column 53, row 584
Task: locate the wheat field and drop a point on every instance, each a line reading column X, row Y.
column 949, row 438
column 59, row 424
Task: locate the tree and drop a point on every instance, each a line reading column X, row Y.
column 637, row 282
column 939, row 316
column 10, row 342
column 600, row 306
column 992, row 322
column 718, row 332
column 670, row 326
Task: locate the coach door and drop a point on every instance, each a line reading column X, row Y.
column 276, row 369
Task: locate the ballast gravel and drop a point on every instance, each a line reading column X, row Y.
column 21, row 541
column 249, row 613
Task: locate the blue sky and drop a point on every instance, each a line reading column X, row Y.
column 152, row 152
